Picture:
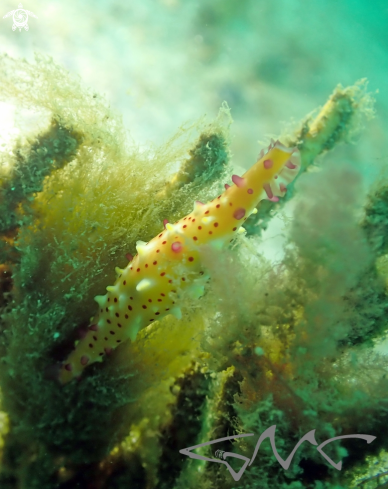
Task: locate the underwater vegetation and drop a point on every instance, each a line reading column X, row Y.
column 254, row 343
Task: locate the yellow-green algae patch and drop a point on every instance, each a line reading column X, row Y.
column 76, row 215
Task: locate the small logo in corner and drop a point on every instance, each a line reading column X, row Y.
column 20, row 18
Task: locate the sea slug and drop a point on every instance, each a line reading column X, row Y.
column 149, row 287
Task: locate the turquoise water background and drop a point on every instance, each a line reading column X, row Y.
column 163, row 62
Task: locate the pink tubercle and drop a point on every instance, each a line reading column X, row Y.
column 108, row 350
column 239, row 213
column 268, row 190
column 269, row 193
column 268, row 164
column 84, row 360
column 227, row 186
column 238, row 181
column 93, row 327
column 250, row 191
column 165, row 221
column 198, row 202
column 129, row 257
column 176, row 247
column 290, row 165
column 82, row 333
column 68, row 367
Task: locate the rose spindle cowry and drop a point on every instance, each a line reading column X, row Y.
column 148, row 288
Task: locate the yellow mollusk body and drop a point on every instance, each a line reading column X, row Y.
column 148, row 288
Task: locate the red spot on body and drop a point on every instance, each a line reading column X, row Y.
column 126, row 316
column 164, row 242
column 112, row 332
column 207, row 212
column 163, row 274
column 250, row 191
column 191, row 258
column 115, row 299
column 90, row 345
column 108, row 321
column 154, row 263
column 234, row 229
column 125, row 282
column 185, row 226
column 119, row 325
column 216, row 224
column 195, row 238
column 95, row 338
column 117, row 315
column 144, row 307
column 138, row 270
column 210, row 232
column 217, row 206
column 130, row 308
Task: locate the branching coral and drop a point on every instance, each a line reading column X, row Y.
column 287, row 344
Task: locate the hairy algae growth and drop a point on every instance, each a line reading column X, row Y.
column 289, row 344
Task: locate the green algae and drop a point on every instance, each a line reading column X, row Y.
column 83, row 195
